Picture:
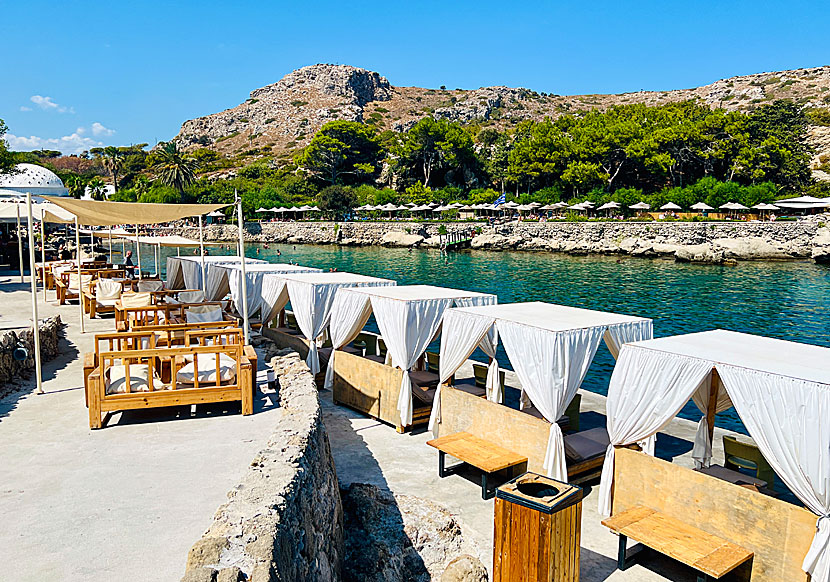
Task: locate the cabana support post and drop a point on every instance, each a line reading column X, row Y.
column 138, row 252
column 35, row 319
column 202, row 249
column 240, row 220
column 19, row 242
column 80, row 282
column 42, row 250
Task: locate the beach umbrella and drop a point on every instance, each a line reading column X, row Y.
column 701, row 206
column 765, row 206
column 411, row 204
column 588, row 204
column 640, row 206
column 534, row 204
column 524, row 207
column 466, row 207
column 739, row 206
column 260, row 209
column 440, row 209
column 803, row 203
column 670, row 206
column 314, row 208
column 577, row 207
column 561, row 205
column 402, row 207
column 727, row 206
column 609, row 206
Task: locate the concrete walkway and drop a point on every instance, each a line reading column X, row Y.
column 368, row 451
column 122, row 503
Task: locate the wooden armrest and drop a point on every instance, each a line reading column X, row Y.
column 89, row 360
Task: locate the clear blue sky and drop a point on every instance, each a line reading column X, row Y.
column 76, row 74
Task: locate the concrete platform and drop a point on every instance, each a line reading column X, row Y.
column 125, row 502
column 368, row 451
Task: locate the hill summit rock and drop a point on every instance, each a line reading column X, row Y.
column 283, row 116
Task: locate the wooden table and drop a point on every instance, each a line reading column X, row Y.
column 713, row 557
column 475, row 451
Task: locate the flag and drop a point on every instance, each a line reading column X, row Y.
column 500, row 200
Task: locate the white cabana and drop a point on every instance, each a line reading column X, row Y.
column 780, row 390
column 186, row 272
column 551, row 348
column 409, row 317
column 311, row 296
column 803, row 203
column 230, row 280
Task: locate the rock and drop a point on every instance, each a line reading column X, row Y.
column 489, row 241
column 397, row 537
column 397, row 238
column 465, row 568
column 200, row 575
column 232, row 574
column 206, row 552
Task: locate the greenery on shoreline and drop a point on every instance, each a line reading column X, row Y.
column 681, row 152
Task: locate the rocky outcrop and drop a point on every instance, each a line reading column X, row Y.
column 709, row 242
column 10, row 368
column 398, row 537
column 284, row 520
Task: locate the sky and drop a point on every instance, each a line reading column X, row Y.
column 76, row 75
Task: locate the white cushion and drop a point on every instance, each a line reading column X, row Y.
column 191, row 296
column 207, row 369
column 139, row 374
column 196, row 315
column 150, row 285
column 135, row 299
column 107, row 292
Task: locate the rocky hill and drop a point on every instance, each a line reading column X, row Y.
column 285, row 115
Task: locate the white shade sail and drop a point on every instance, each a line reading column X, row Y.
column 408, row 316
column 780, row 389
column 550, row 347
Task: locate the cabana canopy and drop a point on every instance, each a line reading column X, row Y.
column 311, row 296
column 97, row 213
column 409, row 317
column 780, row 389
column 231, row 280
column 551, row 348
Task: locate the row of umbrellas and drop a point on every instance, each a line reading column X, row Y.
column 304, row 208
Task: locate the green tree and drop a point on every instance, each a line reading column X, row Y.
column 96, row 188
column 337, row 201
column 7, row 159
column 174, row 168
column 112, row 159
column 433, row 149
column 342, row 151
column 419, row 194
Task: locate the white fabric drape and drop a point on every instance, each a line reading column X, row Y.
column 702, row 450
column 175, row 278
column 647, row 390
column 489, row 344
column 312, row 307
column 217, row 284
column 634, row 331
column 192, row 273
column 550, row 367
column 787, row 418
column 349, row 313
column 274, row 298
column 407, row 327
column 461, row 334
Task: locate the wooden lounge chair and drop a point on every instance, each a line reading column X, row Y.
column 105, row 297
column 118, row 341
column 67, row 287
column 132, row 379
column 744, row 455
column 173, row 334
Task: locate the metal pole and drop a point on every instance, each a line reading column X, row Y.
column 240, row 220
column 78, row 255
column 156, row 255
column 19, row 243
column 109, row 240
column 35, row 321
column 138, row 251
column 202, row 249
column 43, row 251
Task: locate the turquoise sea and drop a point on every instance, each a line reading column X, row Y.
column 787, row 300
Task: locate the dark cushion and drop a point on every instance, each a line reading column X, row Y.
column 586, row 445
column 423, row 396
column 424, row 379
column 470, row 387
column 378, row 359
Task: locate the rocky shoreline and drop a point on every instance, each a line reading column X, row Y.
column 699, row 242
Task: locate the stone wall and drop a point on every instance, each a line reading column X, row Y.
column 284, row 521
column 713, row 242
column 50, row 330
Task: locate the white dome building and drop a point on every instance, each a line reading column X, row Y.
column 31, row 178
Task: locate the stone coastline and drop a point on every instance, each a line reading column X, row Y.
column 704, row 242
column 50, row 330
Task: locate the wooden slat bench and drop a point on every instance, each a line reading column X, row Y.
column 713, row 557
column 481, row 454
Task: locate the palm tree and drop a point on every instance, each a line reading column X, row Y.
column 174, row 168
column 113, row 161
column 96, row 188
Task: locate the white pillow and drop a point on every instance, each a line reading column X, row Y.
column 150, row 285
column 194, row 315
column 139, row 374
column 191, row 296
column 207, row 369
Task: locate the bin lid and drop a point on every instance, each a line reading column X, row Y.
column 540, row 493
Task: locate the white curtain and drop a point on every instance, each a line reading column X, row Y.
column 635, row 331
column 489, row 344
column 407, row 327
column 788, row 419
column 462, row 332
column 234, row 279
column 702, row 450
column 550, row 367
column 349, row 313
column 192, row 273
column 274, row 298
column 647, row 390
column 175, row 279
column 216, row 283
column 311, row 304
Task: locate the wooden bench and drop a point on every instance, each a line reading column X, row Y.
column 713, row 557
column 481, row 454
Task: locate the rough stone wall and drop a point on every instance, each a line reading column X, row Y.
column 10, row 368
column 284, row 521
column 713, row 242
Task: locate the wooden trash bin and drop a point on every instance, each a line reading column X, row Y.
column 537, row 530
